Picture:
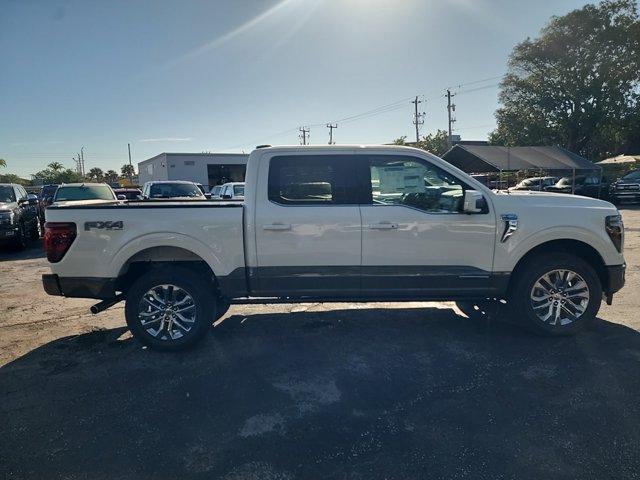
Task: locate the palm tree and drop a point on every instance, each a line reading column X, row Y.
column 127, row 170
column 96, row 174
column 111, row 176
column 3, row 162
column 55, row 166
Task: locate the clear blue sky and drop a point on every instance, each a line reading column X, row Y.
column 227, row 75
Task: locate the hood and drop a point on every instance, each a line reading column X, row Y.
column 551, row 199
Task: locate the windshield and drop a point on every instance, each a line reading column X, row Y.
column 173, row 190
column 6, row 194
column 83, row 192
column 635, row 175
column 238, row 190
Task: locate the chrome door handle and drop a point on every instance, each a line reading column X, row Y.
column 277, row 227
column 384, row 226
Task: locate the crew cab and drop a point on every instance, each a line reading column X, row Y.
column 626, row 189
column 19, row 221
column 340, row 223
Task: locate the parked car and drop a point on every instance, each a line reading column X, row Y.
column 551, row 257
column 232, row 191
column 585, row 185
column 171, row 189
column 74, row 192
column 19, row 221
column 535, row 183
column 128, row 193
column 45, row 198
column 216, row 192
column 626, row 189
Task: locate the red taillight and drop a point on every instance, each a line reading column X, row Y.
column 58, row 237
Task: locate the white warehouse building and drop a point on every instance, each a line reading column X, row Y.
column 209, row 169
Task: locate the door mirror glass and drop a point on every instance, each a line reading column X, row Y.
column 474, row 202
column 33, row 199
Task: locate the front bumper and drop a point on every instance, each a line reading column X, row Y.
column 8, row 232
column 80, row 287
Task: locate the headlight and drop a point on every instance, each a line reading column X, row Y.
column 6, row 218
column 615, row 229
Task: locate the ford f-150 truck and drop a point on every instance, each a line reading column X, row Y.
column 340, row 223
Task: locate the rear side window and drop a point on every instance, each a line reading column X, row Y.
column 313, row 180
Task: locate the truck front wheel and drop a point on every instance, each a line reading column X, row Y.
column 170, row 309
column 557, row 294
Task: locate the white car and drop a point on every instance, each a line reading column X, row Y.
column 232, row 191
column 68, row 193
column 340, row 223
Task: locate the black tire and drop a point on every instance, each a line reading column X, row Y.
column 521, row 292
column 20, row 242
column 35, row 231
column 197, row 286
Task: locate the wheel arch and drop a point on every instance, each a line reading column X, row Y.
column 569, row 246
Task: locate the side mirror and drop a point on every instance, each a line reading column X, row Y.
column 207, row 196
column 473, row 201
column 122, row 197
column 33, row 199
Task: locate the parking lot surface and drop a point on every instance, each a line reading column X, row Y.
column 344, row 391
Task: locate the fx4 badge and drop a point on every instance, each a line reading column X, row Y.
column 117, row 225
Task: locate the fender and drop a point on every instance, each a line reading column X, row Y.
column 509, row 253
column 219, row 265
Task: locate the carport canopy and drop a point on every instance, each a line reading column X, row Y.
column 490, row 158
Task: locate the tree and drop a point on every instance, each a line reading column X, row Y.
column 111, row 176
column 55, row 166
column 3, row 162
column 436, row 143
column 127, row 170
column 96, row 174
column 577, row 85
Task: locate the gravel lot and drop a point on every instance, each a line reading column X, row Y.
column 339, row 391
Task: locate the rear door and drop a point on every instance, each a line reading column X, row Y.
column 308, row 229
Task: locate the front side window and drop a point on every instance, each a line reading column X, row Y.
column 412, row 182
column 312, row 180
column 238, row 190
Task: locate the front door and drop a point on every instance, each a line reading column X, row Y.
column 415, row 238
column 308, row 227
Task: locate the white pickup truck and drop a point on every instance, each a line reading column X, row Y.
column 340, row 223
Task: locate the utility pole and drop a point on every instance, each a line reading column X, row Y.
column 131, row 169
column 82, row 161
column 304, row 135
column 450, row 109
column 418, row 118
column 331, row 126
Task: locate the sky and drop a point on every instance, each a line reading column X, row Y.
column 227, row 75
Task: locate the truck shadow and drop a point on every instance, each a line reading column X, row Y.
column 34, row 250
column 354, row 393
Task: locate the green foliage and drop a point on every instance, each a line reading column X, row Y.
column 127, row 170
column 577, row 85
column 436, row 143
column 59, row 175
column 3, row 162
column 56, row 166
column 111, row 176
column 96, row 174
column 12, row 178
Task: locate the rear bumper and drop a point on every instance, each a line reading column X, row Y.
column 616, row 278
column 81, row 287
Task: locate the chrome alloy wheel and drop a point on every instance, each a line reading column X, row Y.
column 167, row 312
column 559, row 297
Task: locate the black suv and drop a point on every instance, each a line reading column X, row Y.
column 626, row 189
column 585, row 185
column 18, row 215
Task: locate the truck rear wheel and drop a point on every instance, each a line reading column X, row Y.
column 170, row 309
column 558, row 294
